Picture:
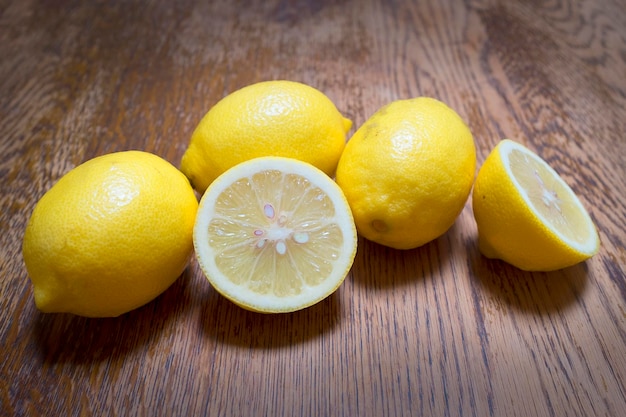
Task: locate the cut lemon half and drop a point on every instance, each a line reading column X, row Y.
column 274, row 235
column 527, row 215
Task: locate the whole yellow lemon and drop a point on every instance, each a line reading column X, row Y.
column 407, row 172
column 271, row 118
column 110, row 235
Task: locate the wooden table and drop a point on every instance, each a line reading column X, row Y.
column 439, row 330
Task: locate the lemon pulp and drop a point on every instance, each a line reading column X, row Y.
column 274, row 235
column 551, row 198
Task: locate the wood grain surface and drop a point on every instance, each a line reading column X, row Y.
column 435, row 331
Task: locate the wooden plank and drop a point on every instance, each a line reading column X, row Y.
column 439, row 330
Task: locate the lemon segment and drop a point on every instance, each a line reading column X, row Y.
column 527, row 215
column 271, row 118
column 274, row 235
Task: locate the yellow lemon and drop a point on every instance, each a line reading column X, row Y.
column 274, row 235
column 527, row 215
column 110, row 235
column 271, row 118
column 407, row 172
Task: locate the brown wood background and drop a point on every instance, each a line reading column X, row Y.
column 438, row 330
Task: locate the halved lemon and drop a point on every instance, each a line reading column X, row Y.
column 274, row 235
column 527, row 215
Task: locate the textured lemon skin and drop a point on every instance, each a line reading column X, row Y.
column 407, row 172
column 271, row 118
column 509, row 230
column 110, row 235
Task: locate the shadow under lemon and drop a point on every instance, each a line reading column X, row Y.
column 529, row 292
column 226, row 322
column 62, row 337
column 377, row 266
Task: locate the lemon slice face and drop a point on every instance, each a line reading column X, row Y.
column 274, row 235
column 552, row 200
column 526, row 213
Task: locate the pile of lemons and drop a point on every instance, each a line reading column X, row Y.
column 273, row 231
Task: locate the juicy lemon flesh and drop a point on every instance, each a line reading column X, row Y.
column 550, row 197
column 279, row 233
column 275, row 241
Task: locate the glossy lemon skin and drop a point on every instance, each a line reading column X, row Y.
column 407, row 172
column 110, row 235
column 271, row 118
